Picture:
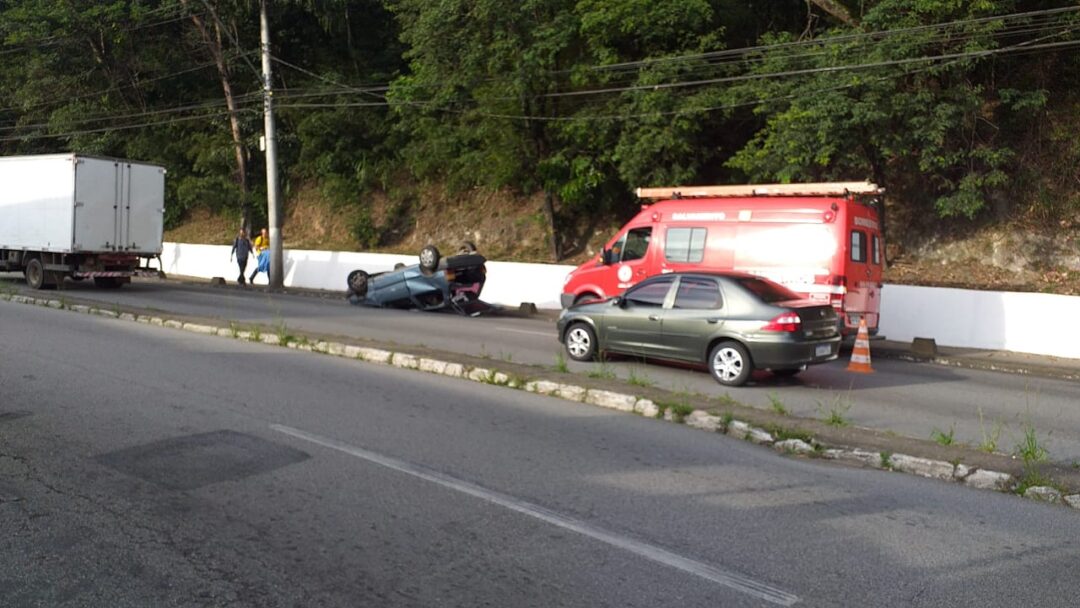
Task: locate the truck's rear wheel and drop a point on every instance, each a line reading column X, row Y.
column 35, row 274
column 107, row 282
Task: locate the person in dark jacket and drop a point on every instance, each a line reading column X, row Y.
column 241, row 248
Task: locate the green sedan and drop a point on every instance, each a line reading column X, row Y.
column 733, row 323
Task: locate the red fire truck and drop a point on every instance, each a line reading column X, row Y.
column 821, row 240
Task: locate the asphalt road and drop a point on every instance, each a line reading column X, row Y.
column 908, row 398
column 141, row 466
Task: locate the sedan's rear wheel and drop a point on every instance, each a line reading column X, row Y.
column 730, row 363
column 358, row 282
column 581, row 342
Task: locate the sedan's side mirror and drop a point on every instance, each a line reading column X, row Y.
column 617, row 301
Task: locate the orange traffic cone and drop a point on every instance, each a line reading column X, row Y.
column 860, row 355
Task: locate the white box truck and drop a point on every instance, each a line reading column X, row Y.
column 79, row 217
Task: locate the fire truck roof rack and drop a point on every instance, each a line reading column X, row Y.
column 819, row 189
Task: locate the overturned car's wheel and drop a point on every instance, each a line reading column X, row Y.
column 357, row 282
column 466, row 247
column 429, row 258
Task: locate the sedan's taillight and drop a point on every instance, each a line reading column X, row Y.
column 787, row 322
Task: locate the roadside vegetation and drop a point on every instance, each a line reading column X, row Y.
column 552, row 113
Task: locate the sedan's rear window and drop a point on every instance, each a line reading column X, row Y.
column 768, row 291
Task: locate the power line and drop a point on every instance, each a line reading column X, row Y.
column 176, row 120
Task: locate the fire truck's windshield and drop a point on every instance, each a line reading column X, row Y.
column 768, row 291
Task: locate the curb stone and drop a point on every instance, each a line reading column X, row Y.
column 924, row 467
column 989, row 480
column 611, row 400
column 700, row 419
column 794, row 446
column 1043, row 493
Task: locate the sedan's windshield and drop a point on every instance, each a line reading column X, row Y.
column 768, row 291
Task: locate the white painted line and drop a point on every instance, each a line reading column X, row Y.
column 731, row 580
column 546, row 334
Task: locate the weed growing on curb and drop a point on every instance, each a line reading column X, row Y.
column 601, row 372
column 726, row 399
column 255, row 334
column 1029, row 449
column 116, row 309
column 886, row 460
column 777, row 405
column 944, row 438
column 65, row 304
column 835, row 413
column 234, row 330
column 636, row 380
column 560, row 363
column 989, row 441
column 282, row 332
column 727, row 418
column 781, row 434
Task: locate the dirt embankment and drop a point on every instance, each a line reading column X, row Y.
column 1018, row 256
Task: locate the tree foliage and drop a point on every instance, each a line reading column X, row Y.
column 584, row 100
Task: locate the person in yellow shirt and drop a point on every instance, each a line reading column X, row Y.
column 262, row 254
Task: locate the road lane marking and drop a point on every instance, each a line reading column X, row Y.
column 546, row 334
column 716, row 575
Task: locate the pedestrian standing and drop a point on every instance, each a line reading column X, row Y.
column 241, row 248
column 262, row 254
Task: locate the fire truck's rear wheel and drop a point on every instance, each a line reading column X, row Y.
column 107, row 282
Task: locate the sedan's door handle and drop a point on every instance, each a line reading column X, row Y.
column 713, row 320
column 654, row 318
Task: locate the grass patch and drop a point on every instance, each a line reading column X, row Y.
column 282, row 331
column 642, row 380
column 255, row 335
column 679, row 409
column 944, row 438
column 834, row 413
column 234, row 330
column 560, row 363
column 990, row 438
column 777, row 405
column 727, row 399
column 885, row 460
column 1029, row 449
column 602, row 371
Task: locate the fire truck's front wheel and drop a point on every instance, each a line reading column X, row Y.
column 730, row 363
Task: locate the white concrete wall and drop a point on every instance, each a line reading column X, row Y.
column 1044, row 324
column 1023, row 322
column 508, row 283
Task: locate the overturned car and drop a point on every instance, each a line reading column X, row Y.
column 436, row 283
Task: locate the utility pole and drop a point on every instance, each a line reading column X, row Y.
column 273, row 195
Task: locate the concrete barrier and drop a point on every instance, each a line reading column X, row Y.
column 1022, row 322
column 508, row 283
column 1037, row 323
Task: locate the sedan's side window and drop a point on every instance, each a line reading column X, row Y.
column 698, row 294
column 649, row 294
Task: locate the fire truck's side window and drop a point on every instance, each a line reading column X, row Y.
column 858, row 246
column 685, row 244
column 636, row 244
column 876, row 251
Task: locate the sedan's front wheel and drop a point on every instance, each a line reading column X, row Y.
column 730, row 363
column 581, row 342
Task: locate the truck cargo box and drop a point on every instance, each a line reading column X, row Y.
column 70, row 203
